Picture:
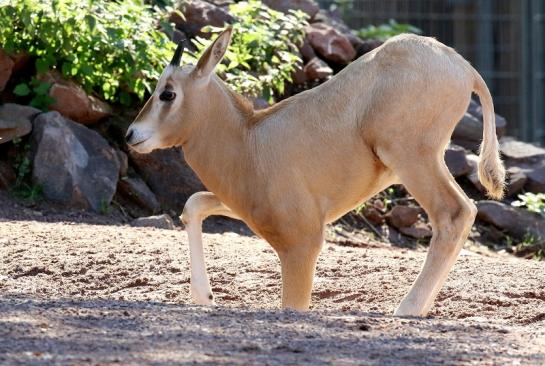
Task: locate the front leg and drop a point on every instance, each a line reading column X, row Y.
column 197, row 208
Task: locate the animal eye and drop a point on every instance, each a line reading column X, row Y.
column 167, row 96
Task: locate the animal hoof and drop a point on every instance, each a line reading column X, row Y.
column 402, row 311
column 202, row 297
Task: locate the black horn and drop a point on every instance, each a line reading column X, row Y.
column 178, row 54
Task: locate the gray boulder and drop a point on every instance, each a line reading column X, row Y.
column 160, row 222
column 455, row 158
column 7, row 175
column 517, row 222
column 15, row 121
column 516, row 181
column 134, row 190
column 517, row 152
column 469, row 131
column 73, row 164
column 168, row 176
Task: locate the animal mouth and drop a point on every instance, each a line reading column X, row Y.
column 138, row 143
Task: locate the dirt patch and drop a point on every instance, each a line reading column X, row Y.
column 73, row 293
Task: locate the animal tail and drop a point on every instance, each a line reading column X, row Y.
column 491, row 169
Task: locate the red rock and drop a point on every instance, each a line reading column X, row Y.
column 373, row 215
column 199, row 14
column 403, row 216
column 6, row 67
column 20, row 61
column 418, row 231
column 307, row 51
column 317, row 69
column 72, row 102
column 331, row 44
column 299, row 76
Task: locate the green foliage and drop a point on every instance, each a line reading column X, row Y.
column 385, row 31
column 263, row 52
column 111, row 48
column 532, row 202
column 22, row 164
column 39, row 92
column 105, row 207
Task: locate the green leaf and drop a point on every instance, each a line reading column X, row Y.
column 42, row 88
column 21, row 90
column 42, row 65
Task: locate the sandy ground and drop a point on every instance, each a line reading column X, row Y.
column 105, row 293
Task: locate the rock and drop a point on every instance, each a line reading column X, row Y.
column 135, row 190
column 469, row 131
column 309, row 7
column 21, row 61
column 73, row 164
column 403, row 216
column 72, row 102
column 367, row 46
column 15, row 121
column 516, row 221
column 7, row 175
column 168, row 176
column 517, row 180
column 298, row 76
column 521, row 152
column 123, row 162
column 373, row 215
column 178, row 36
column 333, row 20
column 536, row 180
column 259, row 103
column 417, row 231
column 161, row 222
column 198, row 14
column 221, row 3
column 455, row 158
column 307, row 52
column 329, row 43
column 317, row 69
column 476, row 111
column 6, row 67
column 473, row 176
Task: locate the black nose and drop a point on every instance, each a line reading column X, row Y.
column 129, row 136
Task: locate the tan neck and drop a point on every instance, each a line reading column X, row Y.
column 217, row 149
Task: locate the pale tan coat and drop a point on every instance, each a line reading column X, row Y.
column 291, row 169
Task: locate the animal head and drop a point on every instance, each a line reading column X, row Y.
column 180, row 97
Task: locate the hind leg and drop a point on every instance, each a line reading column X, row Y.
column 451, row 214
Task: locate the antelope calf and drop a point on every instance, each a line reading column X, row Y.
column 288, row 170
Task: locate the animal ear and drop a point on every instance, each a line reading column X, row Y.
column 214, row 53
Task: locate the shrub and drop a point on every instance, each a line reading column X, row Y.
column 532, row 202
column 111, row 48
column 385, row 31
column 263, row 52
